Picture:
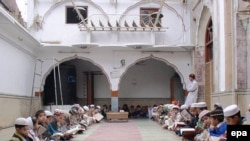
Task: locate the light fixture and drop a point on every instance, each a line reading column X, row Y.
column 123, row 62
column 139, row 46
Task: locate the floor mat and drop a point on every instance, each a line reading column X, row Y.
column 116, row 131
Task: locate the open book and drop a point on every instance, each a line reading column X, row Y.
column 57, row 135
column 187, row 130
column 213, row 138
column 75, row 130
column 41, row 130
column 98, row 116
column 185, row 114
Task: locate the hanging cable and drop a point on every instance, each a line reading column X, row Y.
column 60, row 85
column 55, row 81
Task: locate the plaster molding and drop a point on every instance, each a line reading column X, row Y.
column 209, row 5
column 202, row 12
column 30, row 52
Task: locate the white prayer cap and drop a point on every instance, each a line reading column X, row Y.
column 30, row 122
column 86, row 108
column 21, row 121
column 165, row 105
column 184, row 107
column 58, row 112
column 217, row 104
column 81, row 109
column 98, row 107
column 203, row 113
column 193, row 105
column 76, row 105
column 201, row 104
column 170, row 106
column 175, row 107
column 231, row 110
column 48, row 113
column 92, row 106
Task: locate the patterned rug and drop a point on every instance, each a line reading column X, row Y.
column 116, row 131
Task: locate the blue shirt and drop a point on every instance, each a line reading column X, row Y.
column 219, row 130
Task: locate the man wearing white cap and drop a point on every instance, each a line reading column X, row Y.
column 22, row 129
column 233, row 116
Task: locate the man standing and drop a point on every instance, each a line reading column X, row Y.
column 192, row 91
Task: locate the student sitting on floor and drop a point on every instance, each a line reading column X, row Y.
column 144, row 112
column 219, row 127
column 33, row 127
column 86, row 116
column 191, row 121
column 104, row 111
column 41, row 119
column 155, row 113
column 73, row 118
column 137, row 111
column 179, row 123
column 174, row 117
column 22, row 129
column 204, row 117
column 233, row 115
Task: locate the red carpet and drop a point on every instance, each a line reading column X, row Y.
column 116, row 131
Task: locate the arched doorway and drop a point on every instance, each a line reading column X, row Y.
column 81, row 82
column 150, row 82
column 209, row 61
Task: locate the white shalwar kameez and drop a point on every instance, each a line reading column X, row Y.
column 192, row 93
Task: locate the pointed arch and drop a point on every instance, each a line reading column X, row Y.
column 72, row 58
column 68, row 1
column 156, row 58
column 159, row 3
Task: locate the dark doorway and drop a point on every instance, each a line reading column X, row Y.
column 68, row 86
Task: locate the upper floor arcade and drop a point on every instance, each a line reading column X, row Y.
column 116, row 23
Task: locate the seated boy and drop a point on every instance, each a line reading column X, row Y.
column 204, row 118
column 22, row 129
column 219, row 127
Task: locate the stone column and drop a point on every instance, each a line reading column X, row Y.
column 229, row 41
column 114, row 101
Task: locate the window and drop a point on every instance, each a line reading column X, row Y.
column 72, row 16
column 146, row 17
